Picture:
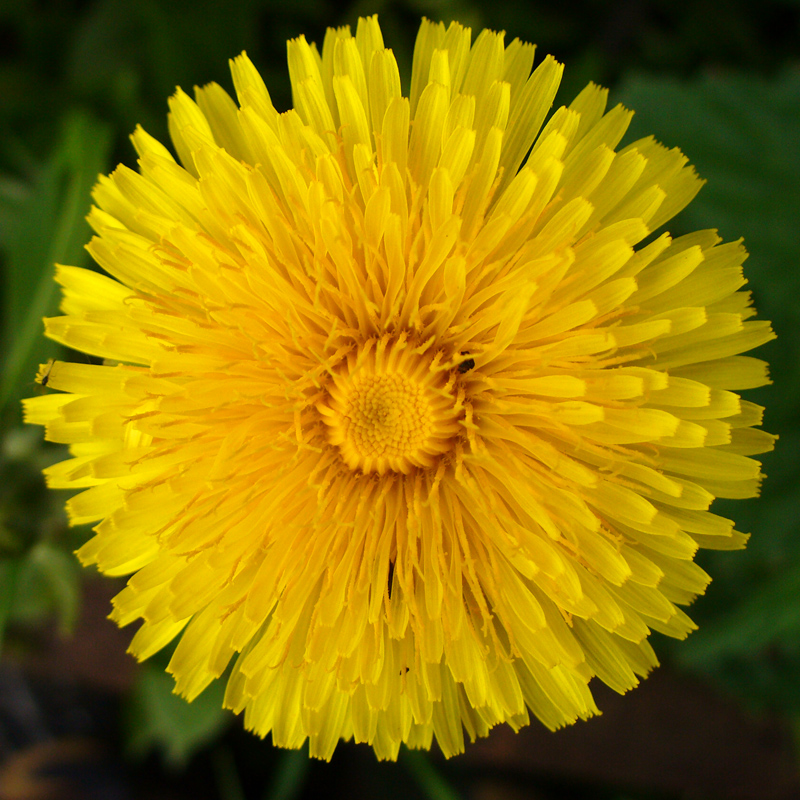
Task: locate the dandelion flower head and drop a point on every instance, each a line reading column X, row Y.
column 401, row 427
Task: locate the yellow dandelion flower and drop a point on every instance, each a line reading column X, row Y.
column 396, row 422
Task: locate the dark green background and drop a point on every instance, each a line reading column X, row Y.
column 720, row 80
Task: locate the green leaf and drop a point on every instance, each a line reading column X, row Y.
column 769, row 612
column 45, row 225
column 160, row 719
column 48, row 583
column 741, row 134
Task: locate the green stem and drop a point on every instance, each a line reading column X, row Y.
column 427, row 776
column 290, row 776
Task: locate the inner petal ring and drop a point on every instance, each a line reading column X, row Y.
column 391, row 408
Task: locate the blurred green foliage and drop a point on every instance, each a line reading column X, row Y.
column 741, row 133
column 721, row 82
column 43, row 224
column 156, row 718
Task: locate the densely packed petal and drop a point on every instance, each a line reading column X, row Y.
column 407, row 423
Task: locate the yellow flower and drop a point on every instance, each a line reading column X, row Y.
column 395, row 420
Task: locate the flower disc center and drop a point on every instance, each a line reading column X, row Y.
column 391, row 409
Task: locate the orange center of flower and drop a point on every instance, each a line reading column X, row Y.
column 391, row 408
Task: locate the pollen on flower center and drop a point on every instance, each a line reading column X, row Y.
column 387, row 415
column 391, row 408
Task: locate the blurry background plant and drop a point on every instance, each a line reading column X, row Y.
column 720, row 80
